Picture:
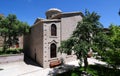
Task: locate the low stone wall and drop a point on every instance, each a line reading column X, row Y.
column 11, row 58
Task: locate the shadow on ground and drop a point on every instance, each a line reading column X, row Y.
column 1, row 69
column 29, row 61
column 92, row 70
column 103, row 70
column 61, row 69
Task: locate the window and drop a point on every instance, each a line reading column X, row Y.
column 53, row 50
column 53, row 30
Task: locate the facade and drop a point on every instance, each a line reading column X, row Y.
column 45, row 36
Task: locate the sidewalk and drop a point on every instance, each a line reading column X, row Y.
column 22, row 69
column 17, row 69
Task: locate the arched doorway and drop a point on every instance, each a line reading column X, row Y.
column 53, row 48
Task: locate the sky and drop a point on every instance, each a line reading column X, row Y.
column 29, row 10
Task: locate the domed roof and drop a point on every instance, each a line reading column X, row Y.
column 54, row 9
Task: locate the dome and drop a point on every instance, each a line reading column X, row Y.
column 54, row 9
column 51, row 12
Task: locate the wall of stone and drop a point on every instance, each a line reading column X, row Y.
column 48, row 40
column 68, row 25
column 20, row 42
column 26, row 44
column 64, row 30
column 35, row 43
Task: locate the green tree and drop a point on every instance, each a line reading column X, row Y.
column 10, row 29
column 115, row 35
column 110, row 52
column 82, row 39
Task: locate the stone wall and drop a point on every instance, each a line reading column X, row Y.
column 68, row 25
column 33, row 43
column 20, row 42
column 48, row 40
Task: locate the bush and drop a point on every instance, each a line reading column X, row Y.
column 12, row 51
column 112, row 57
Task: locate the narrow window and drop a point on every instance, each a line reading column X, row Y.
column 53, row 30
column 53, row 50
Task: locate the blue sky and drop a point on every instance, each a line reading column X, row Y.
column 29, row 10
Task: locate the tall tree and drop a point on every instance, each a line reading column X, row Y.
column 81, row 41
column 115, row 35
column 110, row 52
column 11, row 28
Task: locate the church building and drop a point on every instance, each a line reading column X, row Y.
column 45, row 36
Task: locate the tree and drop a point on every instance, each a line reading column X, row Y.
column 115, row 35
column 10, row 29
column 110, row 51
column 81, row 42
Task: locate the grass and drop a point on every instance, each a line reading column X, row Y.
column 94, row 70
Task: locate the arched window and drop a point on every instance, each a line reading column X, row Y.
column 53, row 30
column 53, row 50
